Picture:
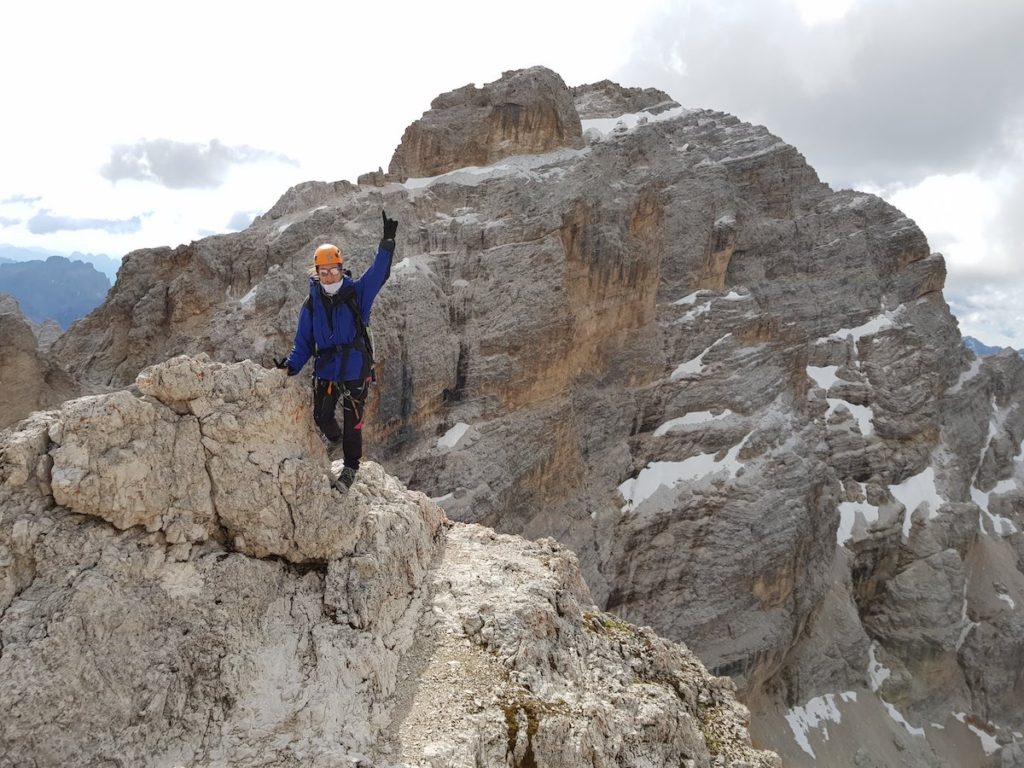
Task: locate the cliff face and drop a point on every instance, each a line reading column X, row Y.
column 28, row 378
column 735, row 393
column 179, row 585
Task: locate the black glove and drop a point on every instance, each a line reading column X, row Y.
column 390, row 226
column 283, row 365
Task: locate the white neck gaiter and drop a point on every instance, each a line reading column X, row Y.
column 333, row 288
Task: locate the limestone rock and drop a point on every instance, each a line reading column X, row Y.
column 514, row 647
column 28, row 379
column 608, row 99
column 527, row 111
column 148, row 620
column 47, row 333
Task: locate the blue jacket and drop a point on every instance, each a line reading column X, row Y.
column 315, row 328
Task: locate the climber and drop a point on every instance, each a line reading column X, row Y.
column 333, row 329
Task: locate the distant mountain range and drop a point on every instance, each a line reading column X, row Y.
column 108, row 265
column 982, row 349
column 55, row 289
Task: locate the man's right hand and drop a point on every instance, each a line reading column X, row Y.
column 390, row 226
column 283, row 365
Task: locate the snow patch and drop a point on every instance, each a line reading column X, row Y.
column 914, row 491
column 877, row 324
column 966, row 625
column 816, row 713
column 696, row 365
column 849, row 511
column 895, row 715
column 519, row 166
column 669, row 474
column 870, row 328
column 966, row 376
column 856, row 201
column 690, row 419
column 862, row 413
column 693, row 313
column 877, row 672
column 601, row 127
column 417, row 264
column 687, row 300
column 1006, row 599
column 823, row 375
column 988, row 741
column 1001, row 526
column 249, row 298
column 454, row 437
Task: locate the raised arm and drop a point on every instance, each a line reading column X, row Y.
column 373, row 279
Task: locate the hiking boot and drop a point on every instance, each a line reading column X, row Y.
column 346, row 478
column 334, row 450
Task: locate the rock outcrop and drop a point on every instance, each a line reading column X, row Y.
column 527, row 111
column 608, row 99
column 179, row 585
column 736, row 394
column 28, row 379
column 47, row 334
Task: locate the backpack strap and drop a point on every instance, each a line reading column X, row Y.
column 362, row 335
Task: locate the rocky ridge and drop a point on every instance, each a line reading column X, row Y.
column 608, row 99
column 736, row 394
column 146, row 618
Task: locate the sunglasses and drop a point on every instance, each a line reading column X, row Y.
column 324, row 271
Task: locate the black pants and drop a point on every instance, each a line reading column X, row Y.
column 325, row 401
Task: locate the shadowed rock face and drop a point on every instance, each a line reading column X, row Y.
column 28, row 380
column 737, row 394
column 177, row 573
column 527, row 111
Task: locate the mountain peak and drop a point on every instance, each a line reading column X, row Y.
column 526, row 111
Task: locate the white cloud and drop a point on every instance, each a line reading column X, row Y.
column 332, row 85
column 240, row 220
column 990, row 311
column 815, row 12
column 888, row 91
column 45, row 222
column 182, row 165
column 959, row 212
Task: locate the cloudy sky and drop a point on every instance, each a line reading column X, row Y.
column 126, row 128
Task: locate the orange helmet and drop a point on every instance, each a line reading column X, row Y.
column 327, row 255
